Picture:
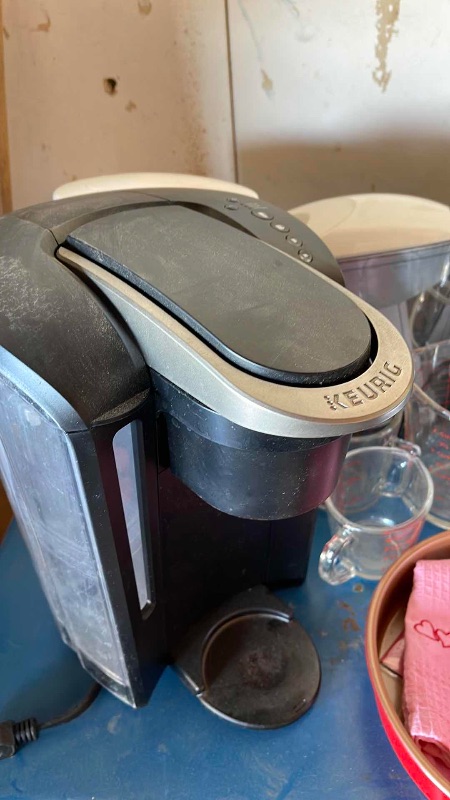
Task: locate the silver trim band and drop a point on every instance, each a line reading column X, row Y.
column 276, row 409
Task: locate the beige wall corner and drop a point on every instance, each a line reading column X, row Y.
column 101, row 88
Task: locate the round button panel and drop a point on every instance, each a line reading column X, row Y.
column 262, row 214
column 278, row 226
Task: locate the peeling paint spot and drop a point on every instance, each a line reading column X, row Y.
column 130, row 106
column 144, row 7
column 43, row 27
column 110, row 85
column 5, row 33
column 113, row 723
column 350, row 624
column 162, row 748
column 266, row 83
column 387, row 12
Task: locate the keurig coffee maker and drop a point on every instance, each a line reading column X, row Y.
column 180, row 374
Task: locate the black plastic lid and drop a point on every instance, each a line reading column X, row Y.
column 54, row 325
column 258, row 308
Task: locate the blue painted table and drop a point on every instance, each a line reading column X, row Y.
column 174, row 749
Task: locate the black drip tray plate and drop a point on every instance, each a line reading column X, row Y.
column 256, row 667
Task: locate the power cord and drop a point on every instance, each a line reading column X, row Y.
column 13, row 735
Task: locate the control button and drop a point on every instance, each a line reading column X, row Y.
column 306, row 257
column 233, row 200
column 232, row 206
column 262, row 214
column 279, row 227
column 294, row 241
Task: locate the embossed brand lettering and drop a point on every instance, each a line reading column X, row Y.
column 367, row 391
column 380, row 384
column 392, row 369
column 372, row 388
column 353, row 397
column 334, row 402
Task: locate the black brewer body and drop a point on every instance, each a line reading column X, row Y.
column 178, row 386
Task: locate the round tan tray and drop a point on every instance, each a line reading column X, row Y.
column 385, row 623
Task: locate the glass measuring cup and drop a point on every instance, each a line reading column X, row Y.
column 427, row 422
column 430, row 315
column 376, row 437
column 376, row 512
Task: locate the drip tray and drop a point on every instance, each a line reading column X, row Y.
column 251, row 663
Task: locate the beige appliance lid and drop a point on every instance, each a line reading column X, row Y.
column 364, row 224
column 147, row 180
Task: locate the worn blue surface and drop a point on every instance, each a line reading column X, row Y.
column 174, row 749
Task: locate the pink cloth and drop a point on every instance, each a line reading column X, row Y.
column 426, row 667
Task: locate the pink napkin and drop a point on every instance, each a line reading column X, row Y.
column 426, row 665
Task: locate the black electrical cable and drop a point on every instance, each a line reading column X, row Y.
column 14, row 735
column 75, row 711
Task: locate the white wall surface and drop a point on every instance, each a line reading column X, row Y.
column 349, row 96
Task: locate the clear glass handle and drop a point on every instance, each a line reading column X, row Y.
column 334, row 568
column 409, row 447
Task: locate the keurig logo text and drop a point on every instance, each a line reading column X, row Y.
column 369, row 390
